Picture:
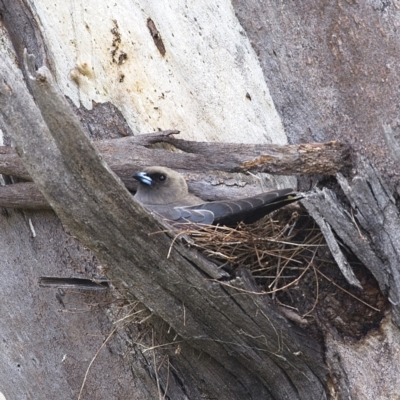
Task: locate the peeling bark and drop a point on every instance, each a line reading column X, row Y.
column 371, row 229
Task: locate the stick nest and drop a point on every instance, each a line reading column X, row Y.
column 278, row 250
column 290, row 261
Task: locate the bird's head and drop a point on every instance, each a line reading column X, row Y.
column 160, row 186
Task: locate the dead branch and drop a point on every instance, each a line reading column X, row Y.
column 199, row 160
column 99, row 211
column 22, row 195
column 128, row 154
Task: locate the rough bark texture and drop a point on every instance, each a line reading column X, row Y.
column 372, row 232
column 181, row 289
column 332, row 70
column 49, row 336
column 333, row 73
column 130, row 154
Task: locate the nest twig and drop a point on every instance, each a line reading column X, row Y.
column 277, row 249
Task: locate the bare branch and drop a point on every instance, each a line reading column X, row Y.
column 128, row 154
column 22, row 195
column 199, row 161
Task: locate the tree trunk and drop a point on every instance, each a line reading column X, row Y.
column 184, row 327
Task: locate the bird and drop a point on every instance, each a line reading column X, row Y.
column 164, row 191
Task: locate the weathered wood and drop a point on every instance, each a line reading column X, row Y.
column 371, row 231
column 323, row 90
column 48, row 336
column 331, row 241
column 22, row 195
column 128, row 154
column 10, row 163
column 310, row 158
column 318, row 61
column 102, row 214
column 378, row 219
column 198, row 162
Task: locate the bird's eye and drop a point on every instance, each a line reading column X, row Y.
column 161, row 178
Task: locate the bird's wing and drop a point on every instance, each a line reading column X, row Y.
column 184, row 215
column 249, row 209
column 229, row 212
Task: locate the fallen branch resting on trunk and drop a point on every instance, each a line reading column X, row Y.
column 199, row 161
column 22, row 195
column 128, row 154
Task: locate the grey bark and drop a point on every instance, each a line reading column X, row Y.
column 318, row 60
column 372, row 232
column 180, row 289
column 331, row 69
column 130, row 154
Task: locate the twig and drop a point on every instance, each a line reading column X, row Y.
column 92, row 361
column 347, row 292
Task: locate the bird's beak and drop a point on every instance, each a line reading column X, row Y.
column 142, row 177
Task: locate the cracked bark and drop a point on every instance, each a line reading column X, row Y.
column 129, row 154
column 223, row 323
